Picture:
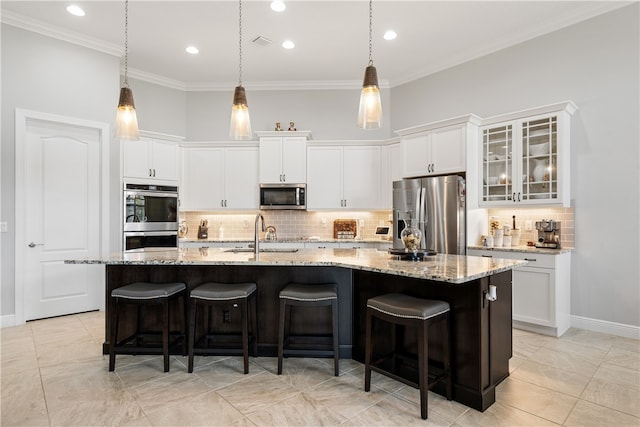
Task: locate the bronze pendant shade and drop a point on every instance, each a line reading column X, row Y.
column 126, row 118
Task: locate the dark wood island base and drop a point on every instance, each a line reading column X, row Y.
column 481, row 329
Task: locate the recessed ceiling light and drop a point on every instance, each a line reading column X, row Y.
column 278, row 6
column 75, row 10
column 288, row 44
column 390, row 35
column 192, row 50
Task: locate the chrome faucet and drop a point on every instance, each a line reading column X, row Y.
column 256, row 237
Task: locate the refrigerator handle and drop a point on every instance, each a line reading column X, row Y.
column 423, row 217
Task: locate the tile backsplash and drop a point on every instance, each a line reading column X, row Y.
column 303, row 224
column 564, row 215
column 289, row 224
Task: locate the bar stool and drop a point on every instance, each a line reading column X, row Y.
column 224, row 296
column 320, row 345
column 139, row 294
column 400, row 309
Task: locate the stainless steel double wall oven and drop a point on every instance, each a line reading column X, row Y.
column 150, row 216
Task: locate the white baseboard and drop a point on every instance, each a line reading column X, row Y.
column 613, row 328
column 7, row 320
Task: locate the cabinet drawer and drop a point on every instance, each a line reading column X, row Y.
column 534, row 259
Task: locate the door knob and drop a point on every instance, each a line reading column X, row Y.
column 33, row 245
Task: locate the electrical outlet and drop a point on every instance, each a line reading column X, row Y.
column 528, row 225
column 3, row 227
column 245, row 224
column 226, row 316
column 323, row 222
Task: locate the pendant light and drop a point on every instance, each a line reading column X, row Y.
column 240, row 127
column 370, row 111
column 126, row 119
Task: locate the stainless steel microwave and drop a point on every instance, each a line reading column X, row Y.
column 283, row 196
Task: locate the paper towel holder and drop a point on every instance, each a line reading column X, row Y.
column 491, row 294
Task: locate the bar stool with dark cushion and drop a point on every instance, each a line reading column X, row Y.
column 308, row 295
column 400, row 309
column 139, row 294
column 225, row 296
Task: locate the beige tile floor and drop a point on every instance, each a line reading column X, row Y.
column 54, row 373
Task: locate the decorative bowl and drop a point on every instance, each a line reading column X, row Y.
column 539, row 149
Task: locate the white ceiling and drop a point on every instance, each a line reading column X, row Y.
column 331, row 37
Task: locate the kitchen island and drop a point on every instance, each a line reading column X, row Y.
column 480, row 328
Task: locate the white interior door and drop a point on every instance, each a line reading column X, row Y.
column 61, row 210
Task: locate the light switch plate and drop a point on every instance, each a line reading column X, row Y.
column 3, row 227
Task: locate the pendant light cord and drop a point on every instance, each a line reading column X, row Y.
column 240, row 42
column 370, row 32
column 126, row 43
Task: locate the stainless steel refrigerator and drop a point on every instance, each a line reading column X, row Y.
column 437, row 207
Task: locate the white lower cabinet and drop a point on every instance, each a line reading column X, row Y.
column 541, row 290
column 321, row 245
column 198, row 245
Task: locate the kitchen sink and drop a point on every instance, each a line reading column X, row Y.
column 266, row 250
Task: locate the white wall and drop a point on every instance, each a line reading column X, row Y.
column 594, row 64
column 159, row 108
column 328, row 114
column 47, row 75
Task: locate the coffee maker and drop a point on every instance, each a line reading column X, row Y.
column 548, row 234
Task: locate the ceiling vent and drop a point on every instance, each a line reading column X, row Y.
column 262, row 41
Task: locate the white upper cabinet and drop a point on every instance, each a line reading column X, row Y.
column 155, row 157
column 219, row 178
column 324, row 177
column 437, row 148
column 525, row 157
column 343, row 177
column 391, row 170
column 283, row 157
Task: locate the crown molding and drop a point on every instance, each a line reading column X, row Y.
column 155, row 79
column 283, row 85
column 52, row 31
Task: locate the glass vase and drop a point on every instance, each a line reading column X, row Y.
column 411, row 235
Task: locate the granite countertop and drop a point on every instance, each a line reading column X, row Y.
column 525, row 249
column 443, row 268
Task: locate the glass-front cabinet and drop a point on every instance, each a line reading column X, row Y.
column 525, row 159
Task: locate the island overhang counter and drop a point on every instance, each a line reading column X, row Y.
column 480, row 325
